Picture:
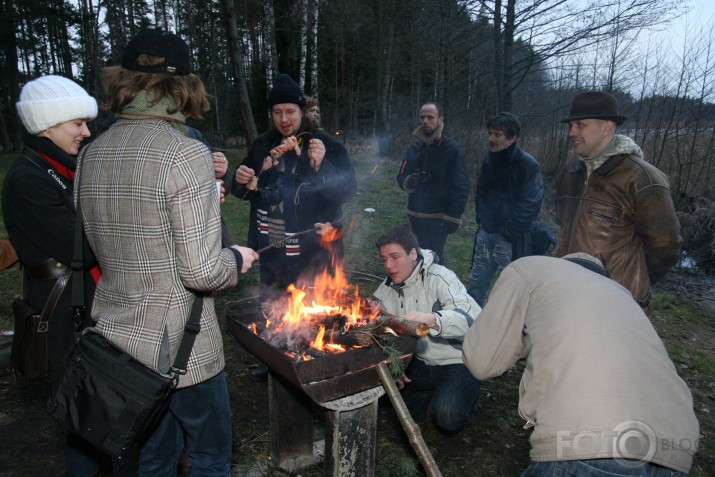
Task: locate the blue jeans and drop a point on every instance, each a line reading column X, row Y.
column 492, row 253
column 450, row 391
column 198, row 419
column 597, row 468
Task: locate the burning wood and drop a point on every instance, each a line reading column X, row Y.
column 404, row 327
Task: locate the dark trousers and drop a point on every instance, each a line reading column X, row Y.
column 431, row 234
column 448, row 393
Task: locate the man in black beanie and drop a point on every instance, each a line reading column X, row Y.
column 294, row 176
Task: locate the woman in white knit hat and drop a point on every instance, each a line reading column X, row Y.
column 39, row 214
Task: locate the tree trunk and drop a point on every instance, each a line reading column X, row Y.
column 385, row 46
column 10, row 139
column 505, row 102
column 498, row 54
column 269, row 40
column 303, row 42
column 249, row 132
column 315, row 10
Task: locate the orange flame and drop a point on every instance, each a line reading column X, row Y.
column 330, row 297
column 327, row 239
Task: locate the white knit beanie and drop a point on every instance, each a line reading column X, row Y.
column 51, row 100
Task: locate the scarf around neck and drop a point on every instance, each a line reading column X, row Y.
column 143, row 107
column 59, row 159
column 435, row 136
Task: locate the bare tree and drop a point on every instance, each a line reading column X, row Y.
column 244, row 104
column 269, row 42
column 554, row 27
column 9, row 139
column 303, row 42
column 315, row 13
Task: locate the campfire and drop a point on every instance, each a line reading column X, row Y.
column 325, row 314
column 336, row 347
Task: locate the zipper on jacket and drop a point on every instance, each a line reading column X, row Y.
column 522, row 390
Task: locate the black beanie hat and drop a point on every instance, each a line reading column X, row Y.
column 285, row 90
column 158, row 43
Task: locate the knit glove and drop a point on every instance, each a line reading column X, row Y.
column 411, row 182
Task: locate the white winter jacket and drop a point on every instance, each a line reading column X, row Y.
column 433, row 288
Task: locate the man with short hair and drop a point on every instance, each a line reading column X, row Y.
column 508, row 199
column 599, row 390
column 612, row 203
column 434, row 173
column 418, row 288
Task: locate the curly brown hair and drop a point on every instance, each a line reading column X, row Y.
column 123, row 85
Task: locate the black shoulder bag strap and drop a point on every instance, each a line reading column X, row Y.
column 191, row 329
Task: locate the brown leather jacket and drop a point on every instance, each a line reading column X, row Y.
column 622, row 214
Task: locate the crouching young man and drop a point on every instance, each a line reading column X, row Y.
column 417, row 288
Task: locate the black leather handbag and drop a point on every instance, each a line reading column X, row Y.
column 105, row 396
column 110, row 399
column 29, row 343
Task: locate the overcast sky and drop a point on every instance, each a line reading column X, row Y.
column 700, row 15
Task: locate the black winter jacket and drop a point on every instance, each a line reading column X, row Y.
column 318, row 195
column 443, row 190
column 509, row 193
column 39, row 214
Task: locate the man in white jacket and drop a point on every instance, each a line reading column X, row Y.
column 599, row 388
column 419, row 289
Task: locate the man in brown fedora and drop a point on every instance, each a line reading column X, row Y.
column 612, row 204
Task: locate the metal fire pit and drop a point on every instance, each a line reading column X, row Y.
column 345, row 384
column 323, row 379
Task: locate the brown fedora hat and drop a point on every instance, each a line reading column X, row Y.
column 595, row 105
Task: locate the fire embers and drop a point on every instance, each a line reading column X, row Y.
column 328, row 317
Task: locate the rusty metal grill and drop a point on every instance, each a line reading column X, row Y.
column 325, row 378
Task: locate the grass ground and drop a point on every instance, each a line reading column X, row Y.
column 494, row 445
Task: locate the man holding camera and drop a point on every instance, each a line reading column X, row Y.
column 434, row 174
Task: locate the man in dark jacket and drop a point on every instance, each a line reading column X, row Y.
column 434, row 173
column 613, row 204
column 508, row 199
column 291, row 187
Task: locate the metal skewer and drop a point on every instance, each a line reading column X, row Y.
column 314, row 229
column 268, row 247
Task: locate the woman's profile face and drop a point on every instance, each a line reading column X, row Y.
column 69, row 135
